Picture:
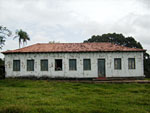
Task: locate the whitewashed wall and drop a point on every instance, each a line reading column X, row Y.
column 79, row 73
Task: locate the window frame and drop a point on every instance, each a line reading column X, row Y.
column 84, row 64
column 15, row 69
column 75, row 69
column 44, row 69
column 131, row 59
column 116, row 60
column 28, row 64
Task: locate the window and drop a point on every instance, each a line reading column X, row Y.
column 44, row 65
column 16, row 65
column 30, row 65
column 86, row 64
column 58, row 65
column 131, row 63
column 72, row 64
column 117, row 63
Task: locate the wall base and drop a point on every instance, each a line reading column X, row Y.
column 70, row 78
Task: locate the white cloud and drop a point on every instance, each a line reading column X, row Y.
column 75, row 20
column 145, row 3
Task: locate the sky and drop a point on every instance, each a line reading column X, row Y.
column 75, row 20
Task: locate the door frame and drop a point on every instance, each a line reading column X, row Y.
column 104, row 66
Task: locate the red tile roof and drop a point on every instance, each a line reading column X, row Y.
column 72, row 47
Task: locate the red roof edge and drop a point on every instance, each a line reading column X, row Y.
column 73, row 47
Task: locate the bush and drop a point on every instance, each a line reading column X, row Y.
column 2, row 69
column 147, row 67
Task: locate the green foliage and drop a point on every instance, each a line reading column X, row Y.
column 4, row 33
column 116, row 39
column 147, row 66
column 52, row 42
column 2, row 69
column 41, row 96
column 1, row 62
column 22, row 36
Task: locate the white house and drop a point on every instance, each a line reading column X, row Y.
column 74, row 60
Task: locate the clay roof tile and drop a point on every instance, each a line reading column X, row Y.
column 72, row 47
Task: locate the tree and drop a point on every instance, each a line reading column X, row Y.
column 4, row 33
column 123, row 41
column 52, row 42
column 118, row 39
column 22, row 36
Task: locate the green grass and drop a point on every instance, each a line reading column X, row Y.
column 41, row 96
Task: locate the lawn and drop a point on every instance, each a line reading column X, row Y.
column 42, row 96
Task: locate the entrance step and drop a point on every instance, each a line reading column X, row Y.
column 100, row 78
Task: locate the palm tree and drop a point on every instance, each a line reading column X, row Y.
column 23, row 37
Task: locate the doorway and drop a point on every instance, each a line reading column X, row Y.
column 101, row 67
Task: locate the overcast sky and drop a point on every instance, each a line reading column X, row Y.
column 75, row 20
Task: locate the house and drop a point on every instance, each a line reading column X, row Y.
column 74, row 60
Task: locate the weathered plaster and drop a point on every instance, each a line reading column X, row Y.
column 79, row 73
